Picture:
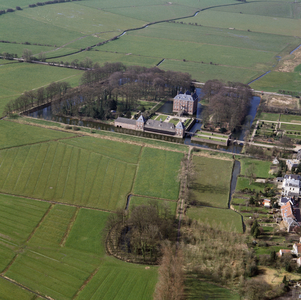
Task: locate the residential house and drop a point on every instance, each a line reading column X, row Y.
column 283, row 200
column 267, row 203
column 289, row 219
column 283, row 252
column 291, row 185
column 292, row 163
column 297, row 249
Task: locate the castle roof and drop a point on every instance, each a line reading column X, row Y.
column 141, row 119
column 126, row 121
column 180, row 126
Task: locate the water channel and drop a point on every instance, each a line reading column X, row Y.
column 46, row 114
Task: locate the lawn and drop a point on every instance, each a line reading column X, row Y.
column 225, row 219
column 174, row 121
column 268, row 116
column 13, row 134
column 171, row 205
column 290, row 127
column 243, row 183
column 157, row 174
column 290, row 118
column 261, row 167
column 211, row 186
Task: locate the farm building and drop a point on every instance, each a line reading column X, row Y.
column 154, row 126
column 185, row 103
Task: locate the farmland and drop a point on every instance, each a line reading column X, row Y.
column 229, row 41
column 212, row 184
column 225, row 219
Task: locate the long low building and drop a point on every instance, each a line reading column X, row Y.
column 154, row 126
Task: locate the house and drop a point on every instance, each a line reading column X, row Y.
column 267, row 203
column 154, row 126
column 283, row 252
column 185, row 103
column 289, row 219
column 297, row 249
column 283, row 200
column 291, row 185
column 275, row 161
column 292, row 163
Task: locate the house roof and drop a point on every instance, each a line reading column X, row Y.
column 292, row 176
column 126, row 121
column 286, row 211
column 284, row 200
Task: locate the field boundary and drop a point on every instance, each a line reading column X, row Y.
column 70, row 225
column 41, row 221
column 57, row 202
column 24, row 287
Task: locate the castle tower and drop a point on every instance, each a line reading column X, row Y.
column 180, row 130
column 140, row 123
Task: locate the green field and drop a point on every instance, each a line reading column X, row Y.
column 135, row 201
column 10, row 291
column 261, row 167
column 211, row 186
column 268, row 116
column 61, row 172
column 290, row 127
column 13, row 134
column 290, row 118
column 59, row 270
column 243, row 183
column 225, row 219
column 157, row 174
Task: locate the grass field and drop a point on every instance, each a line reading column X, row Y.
column 268, row 116
column 10, row 291
column 157, row 174
column 226, row 219
column 212, row 184
column 261, row 167
column 119, row 280
column 13, row 134
column 290, row 127
column 290, row 118
column 243, row 183
column 199, row 289
column 135, row 201
column 60, row 269
column 58, row 171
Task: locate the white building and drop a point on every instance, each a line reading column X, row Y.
column 291, row 185
column 292, row 163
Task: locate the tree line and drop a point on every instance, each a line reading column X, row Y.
column 112, row 86
column 228, row 104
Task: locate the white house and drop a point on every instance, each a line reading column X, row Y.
column 297, row 249
column 267, row 203
column 292, row 163
column 291, row 185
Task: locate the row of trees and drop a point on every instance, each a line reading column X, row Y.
column 38, row 97
column 50, row 2
column 228, row 104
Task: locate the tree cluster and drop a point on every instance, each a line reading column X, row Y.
column 228, row 103
column 138, row 235
column 49, row 2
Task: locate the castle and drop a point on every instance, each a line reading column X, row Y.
column 153, row 126
column 185, row 103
